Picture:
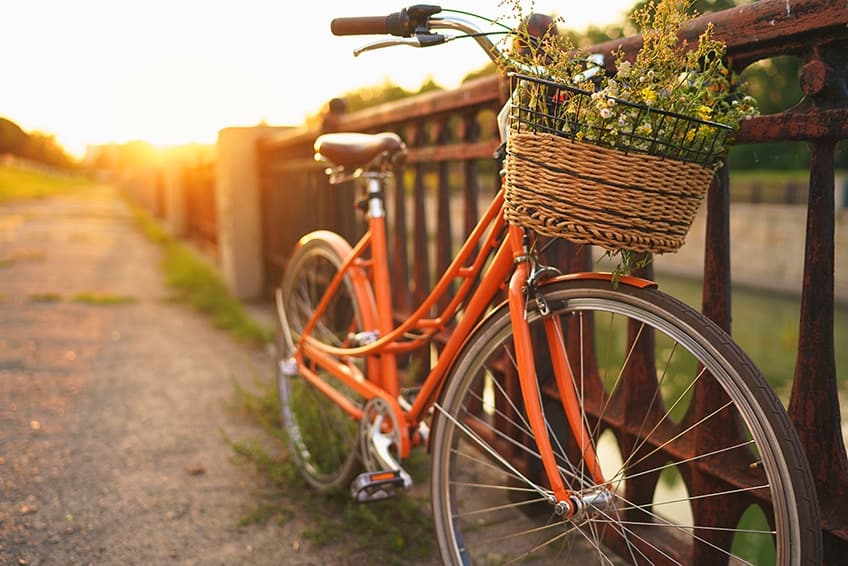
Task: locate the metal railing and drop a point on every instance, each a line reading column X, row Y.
column 451, row 136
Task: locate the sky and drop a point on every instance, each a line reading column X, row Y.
column 177, row 71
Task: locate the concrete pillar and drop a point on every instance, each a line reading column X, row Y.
column 237, row 197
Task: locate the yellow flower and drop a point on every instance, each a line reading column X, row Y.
column 644, row 130
column 704, row 112
column 690, row 135
column 648, row 95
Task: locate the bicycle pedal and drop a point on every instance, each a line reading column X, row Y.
column 374, row 486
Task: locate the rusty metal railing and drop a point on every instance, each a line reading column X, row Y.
column 451, row 138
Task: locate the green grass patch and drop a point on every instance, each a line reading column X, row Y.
column 16, row 184
column 766, row 326
column 393, row 531
column 21, row 256
column 45, row 297
column 197, row 283
column 769, row 176
column 102, row 299
column 264, row 513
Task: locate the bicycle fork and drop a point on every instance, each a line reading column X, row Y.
column 567, row 502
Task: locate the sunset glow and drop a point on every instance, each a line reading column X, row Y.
column 171, row 72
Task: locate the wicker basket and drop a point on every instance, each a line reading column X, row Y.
column 641, row 195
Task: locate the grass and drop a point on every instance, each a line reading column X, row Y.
column 102, row 299
column 195, row 282
column 393, row 531
column 97, row 298
column 18, row 184
column 766, row 325
column 770, row 176
column 45, row 297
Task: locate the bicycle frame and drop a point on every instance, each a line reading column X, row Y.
column 506, row 250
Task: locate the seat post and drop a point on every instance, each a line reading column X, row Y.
column 380, row 273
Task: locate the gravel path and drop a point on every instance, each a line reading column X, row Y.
column 112, row 417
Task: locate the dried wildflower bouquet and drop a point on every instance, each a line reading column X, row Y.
column 621, row 161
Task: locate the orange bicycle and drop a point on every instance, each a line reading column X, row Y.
column 518, row 406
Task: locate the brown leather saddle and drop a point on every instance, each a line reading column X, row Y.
column 358, row 151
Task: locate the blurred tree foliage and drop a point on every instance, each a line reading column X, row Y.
column 35, row 145
column 369, row 96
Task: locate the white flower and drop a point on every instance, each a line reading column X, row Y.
column 606, row 113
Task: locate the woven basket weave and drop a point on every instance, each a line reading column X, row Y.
column 589, row 194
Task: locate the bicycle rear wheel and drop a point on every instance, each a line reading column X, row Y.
column 323, row 437
column 701, row 463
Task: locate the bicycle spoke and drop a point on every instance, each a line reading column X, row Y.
column 655, row 418
column 687, row 460
column 678, row 435
column 664, row 523
column 488, row 449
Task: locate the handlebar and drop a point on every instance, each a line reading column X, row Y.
column 405, row 23
column 375, row 25
column 414, row 27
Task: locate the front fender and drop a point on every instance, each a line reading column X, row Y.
column 628, row 280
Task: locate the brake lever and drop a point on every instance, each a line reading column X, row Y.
column 420, row 40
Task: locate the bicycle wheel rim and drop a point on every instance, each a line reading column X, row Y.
column 323, row 438
column 464, row 514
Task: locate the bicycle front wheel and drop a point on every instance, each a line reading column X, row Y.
column 700, row 462
column 323, row 437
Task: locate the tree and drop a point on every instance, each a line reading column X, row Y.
column 12, row 137
column 381, row 94
column 36, row 146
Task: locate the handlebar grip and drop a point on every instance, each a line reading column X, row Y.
column 372, row 25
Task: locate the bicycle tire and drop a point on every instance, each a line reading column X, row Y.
column 480, row 514
column 322, row 437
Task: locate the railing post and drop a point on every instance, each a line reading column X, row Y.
column 237, row 195
column 814, row 406
column 716, row 292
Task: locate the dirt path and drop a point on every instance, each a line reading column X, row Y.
column 112, row 417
